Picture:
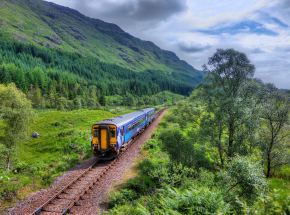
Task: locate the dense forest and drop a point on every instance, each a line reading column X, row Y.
column 51, row 77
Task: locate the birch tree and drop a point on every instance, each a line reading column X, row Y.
column 15, row 113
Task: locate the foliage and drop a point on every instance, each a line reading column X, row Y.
column 37, row 73
column 181, row 150
column 274, row 135
column 15, row 112
column 231, row 98
column 243, row 179
column 192, row 201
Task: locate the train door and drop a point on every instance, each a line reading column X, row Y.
column 103, row 137
column 123, row 134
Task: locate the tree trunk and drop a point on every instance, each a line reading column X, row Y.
column 268, row 174
column 231, row 140
column 268, row 166
column 8, row 162
column 220, row 150
column 221, row 156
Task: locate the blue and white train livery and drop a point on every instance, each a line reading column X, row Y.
column 109, row 135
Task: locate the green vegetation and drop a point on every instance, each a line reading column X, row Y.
column 58, row 79
column 217, row 153
column 64, row 141
column 16, row 112
column 36, row 162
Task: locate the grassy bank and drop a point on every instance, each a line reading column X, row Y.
column 64, row 142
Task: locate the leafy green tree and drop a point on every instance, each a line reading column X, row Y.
column 211, row 130
column 61, row 104
column 182, row 150
column 103, row 100
column 15, row 112
column 274, row 134
column 77, row 103
column 129, row 100
column 84, row 103
column 36, row 98
column 70, row 105
column 140, row 103
column 93, row 104
column 232, row 96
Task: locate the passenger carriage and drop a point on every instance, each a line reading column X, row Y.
column 110, row 135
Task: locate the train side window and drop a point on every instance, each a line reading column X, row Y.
column 112, row 133
column 129, row 128
column 96, row 133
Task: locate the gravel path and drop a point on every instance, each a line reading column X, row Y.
column 92, row 203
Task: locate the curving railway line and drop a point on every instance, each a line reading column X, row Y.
column 71, row 195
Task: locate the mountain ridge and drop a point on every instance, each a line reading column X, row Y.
column 47, row 24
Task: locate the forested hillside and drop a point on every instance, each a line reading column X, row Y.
column 49, row 74
column 49, row 25
column 61, row 59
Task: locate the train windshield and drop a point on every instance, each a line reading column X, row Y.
column 112, row 133
column 96, row 133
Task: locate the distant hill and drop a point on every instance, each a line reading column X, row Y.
column 283, row 89
column 49, row 25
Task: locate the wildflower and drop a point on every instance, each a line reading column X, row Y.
column 5, row 170
column 13, row 184
column 145, row 201
column 14, row 179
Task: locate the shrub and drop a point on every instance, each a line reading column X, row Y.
column 121, row 197
column 244, row 179
column 61, row 166
column 66, row 133
column 192, row 201
column 56, row 124
column 21, row 166
column 151, row 144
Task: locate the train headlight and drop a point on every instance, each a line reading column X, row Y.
column 113, row 145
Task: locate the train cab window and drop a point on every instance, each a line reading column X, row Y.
column 96, row 133
column 112, row 133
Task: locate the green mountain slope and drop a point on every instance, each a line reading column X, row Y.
column 47, row 24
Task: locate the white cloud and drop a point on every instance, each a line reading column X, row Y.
column 181, row 30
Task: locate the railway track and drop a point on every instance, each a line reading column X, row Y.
column 69, row 196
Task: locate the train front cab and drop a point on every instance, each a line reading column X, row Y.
column 104, row 139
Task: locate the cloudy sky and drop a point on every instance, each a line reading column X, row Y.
column 194, row 29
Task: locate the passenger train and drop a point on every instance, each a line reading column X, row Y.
column 110, row 135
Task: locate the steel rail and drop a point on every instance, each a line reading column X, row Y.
column 94, row 181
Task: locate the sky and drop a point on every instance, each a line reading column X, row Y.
column 194, row 29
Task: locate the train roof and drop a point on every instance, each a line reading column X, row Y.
column 121, row 120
